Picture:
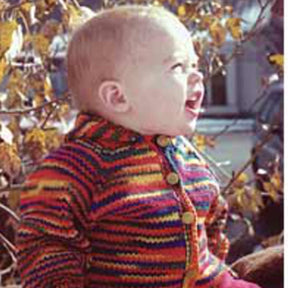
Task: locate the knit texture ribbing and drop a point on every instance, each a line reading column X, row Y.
column 113, row 208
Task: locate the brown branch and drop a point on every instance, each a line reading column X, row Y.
column 9, row 246
column 10, row 212
column 245, row 39
column 258, row 148
column 33, row 109
column 13, row 6
column 50, row 113
column 226, row 128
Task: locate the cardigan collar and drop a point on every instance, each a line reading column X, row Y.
column 95, row 127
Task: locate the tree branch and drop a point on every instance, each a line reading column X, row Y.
column 33, row 109
column 269, row 136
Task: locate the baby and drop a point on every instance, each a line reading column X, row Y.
column 126, row 202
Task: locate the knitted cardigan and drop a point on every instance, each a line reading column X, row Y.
column 111, row 208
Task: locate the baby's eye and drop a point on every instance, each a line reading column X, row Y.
column 194, row 66
column 178, row 67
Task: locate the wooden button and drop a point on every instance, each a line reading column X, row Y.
column 187, row 217
column 172, row 178
column 163, row 141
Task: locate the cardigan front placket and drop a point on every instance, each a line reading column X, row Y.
column 188, row 217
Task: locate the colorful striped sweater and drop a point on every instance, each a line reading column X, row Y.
column 111, row 208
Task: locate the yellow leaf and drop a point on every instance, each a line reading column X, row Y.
column 41, row 44
column 35, row 143
column 202, row 141
column 26, row 6
column 181, row 11
column 277, row 181
column 199, row 141
column 13, row 100
column 277, row 60
column 206, row 21
column 15, row 80
column 6, row 31
column 53, row 139
column 14, row 127
column 39, row 99
column 233, row 25
column 274, row 187
column 48, row 89
column 2, row 68
column 10, row 163
column 218, row 33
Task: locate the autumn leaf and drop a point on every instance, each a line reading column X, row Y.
column 277, row 60
column 217, row 33
column 10, row 162
column 233, row 25
column 186, row 10
column 206, row 21
column 26, row 6
column 202, row 141
column 6, row 31
column 14, row 127
column 245, row 198
column 2, row 68
column 53, row 139
column 274, row 187
column 241, row 180
column 44, row 7
column 41, row 44
column 14, row 100
column 35, row 143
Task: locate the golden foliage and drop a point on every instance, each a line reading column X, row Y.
column 277, row 60
column 41, row 44
column 26, row 7
column 53, row 139
column 35, row 143
column 244, row 197
column 218, row 33
column 233, row 25
column 10, row 162
column 6, row 31
column 202, row 141
column 2, row 68
column 275, row 186
column 187, row 10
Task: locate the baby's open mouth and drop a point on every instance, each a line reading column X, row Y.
column 193, row 104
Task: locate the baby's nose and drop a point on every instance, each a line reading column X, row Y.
column 195, row 77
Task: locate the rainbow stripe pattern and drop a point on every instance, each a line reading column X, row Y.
column 113, row 208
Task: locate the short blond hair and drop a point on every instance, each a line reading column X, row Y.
column 100, row 48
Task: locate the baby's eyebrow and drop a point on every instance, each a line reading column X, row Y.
column 174, row 57
column 192, row 58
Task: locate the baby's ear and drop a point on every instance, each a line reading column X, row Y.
column 112, row 96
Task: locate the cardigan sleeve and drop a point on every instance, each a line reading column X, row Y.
column 51, row 241
column 215, row 225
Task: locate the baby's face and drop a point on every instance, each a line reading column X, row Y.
column 165, row 88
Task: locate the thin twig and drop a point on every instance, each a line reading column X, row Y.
column 269, row 135
column 10, row 212
column 245, row 39
column 33, row 109
column 9, row 246
column 50, row 113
